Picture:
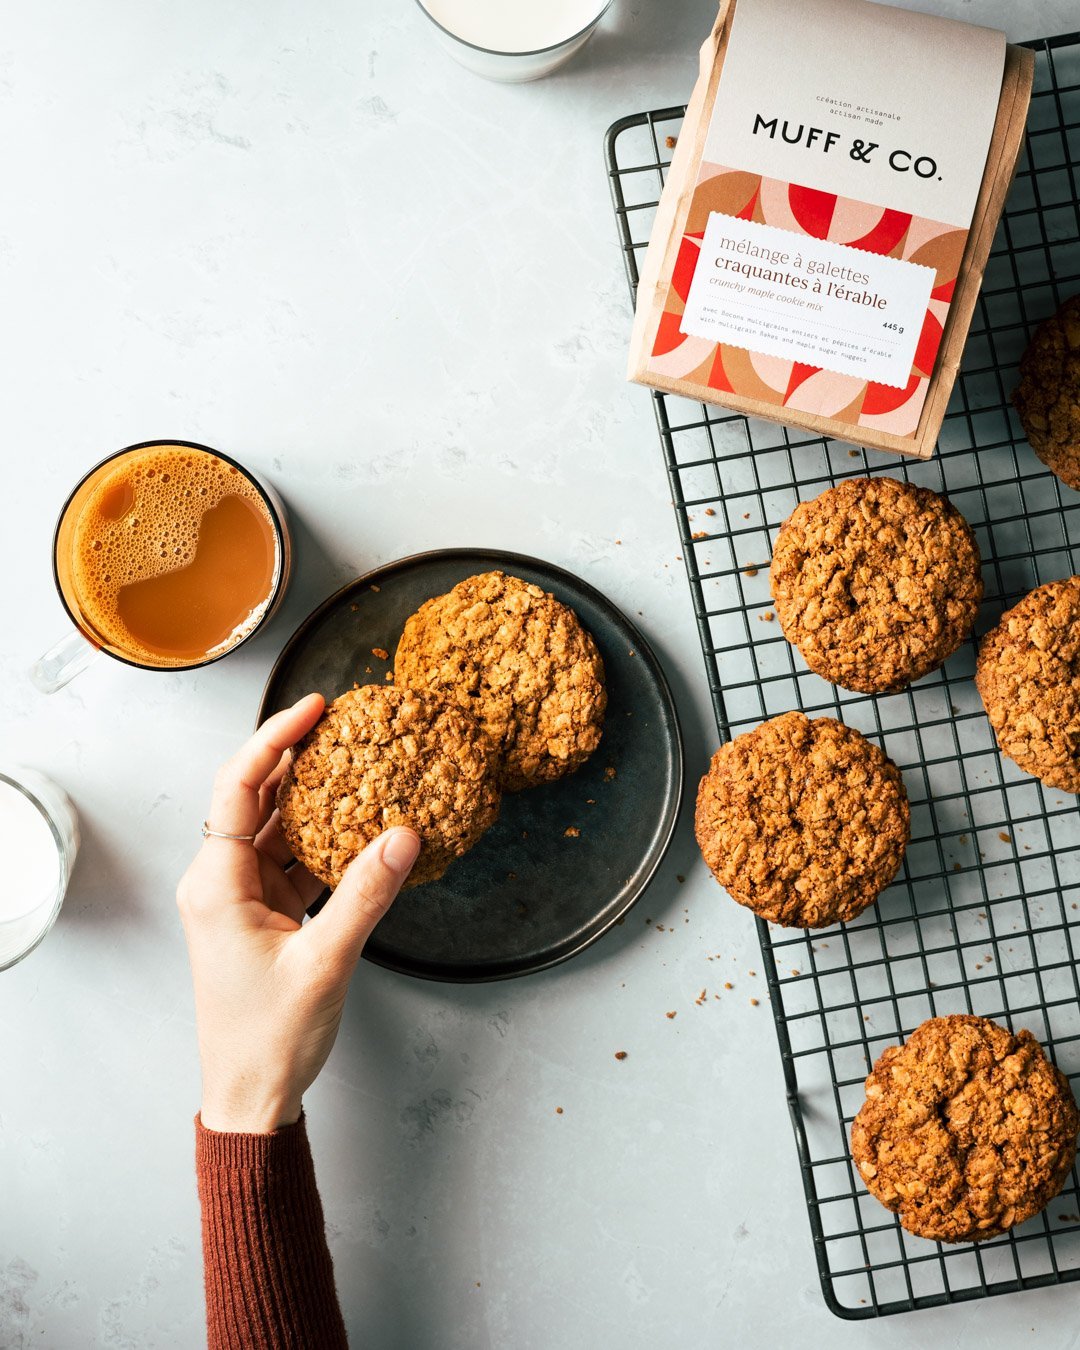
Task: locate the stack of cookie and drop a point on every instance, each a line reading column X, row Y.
column 497, row 687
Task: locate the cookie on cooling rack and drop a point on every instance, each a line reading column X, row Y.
column 804, row 822
column 381, row 756
column 876, row 582
column 966, row 1129
column 521, row 662
column 1048, row 395
column 1028, row 675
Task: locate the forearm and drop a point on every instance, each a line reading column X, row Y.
column 269, row 1277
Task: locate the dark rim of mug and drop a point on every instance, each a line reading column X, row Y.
column 537, row 51
column 279, row 537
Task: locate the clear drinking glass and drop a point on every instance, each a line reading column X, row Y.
column 39, row 837
column 74, row 652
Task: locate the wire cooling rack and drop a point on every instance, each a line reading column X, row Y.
column 985, row 916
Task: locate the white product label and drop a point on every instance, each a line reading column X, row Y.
column 785, row 294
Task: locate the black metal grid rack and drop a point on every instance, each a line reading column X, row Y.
column 985, row 916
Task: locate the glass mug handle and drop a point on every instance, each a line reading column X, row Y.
column 62, row 662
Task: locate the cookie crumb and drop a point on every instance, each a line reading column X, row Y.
column 767, row 617
column 680, row 879
column 669, row 1015
column 753, row 1003
column 750, row 571
column 1004, row 836
column 571, row 832
column 609, row 773
column 709, row 511
column 558, row 1111
column 375, row 588
column 620, row 1054
column 380, row 653
column 670, row 142
column 728, row 984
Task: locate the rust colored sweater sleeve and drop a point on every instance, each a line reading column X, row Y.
column 269, row 1277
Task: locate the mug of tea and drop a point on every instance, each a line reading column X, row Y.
column 167, row 555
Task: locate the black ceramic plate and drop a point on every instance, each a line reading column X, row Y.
column 528, row 894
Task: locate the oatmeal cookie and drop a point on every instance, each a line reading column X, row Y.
column 876, row 582
column 1048, row 395
column 966, row 1129
column 1028, row 675
column 804, row 822
column 521, row 662
column 382, row 756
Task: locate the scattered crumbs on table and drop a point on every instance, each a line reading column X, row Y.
column 767, row 617
column 376, row 589
column 660, row 928
column 1068, row 1218
column 590, row 801
column 669, row 1016
column 380, row 653
column 709, row 511
column 609, row 773
column 511, row 876
column 728, row 984
column 389, row 676
column 753, row 1003
column 794, row 971
column 750, row 571
column 751, row 972
column 524, row 834
column 978, row 965
column 700, row 998
column 571, row 832
column 620, row 1054
column 368, row 670
column 679, row 878
column 1004, row 836
column 648, row 920
column 854, row 454
column 618, row 541
column 981, row 915
column 671, row 142
column 354, row 607
column 558, row 1111
column 700, row 534
column 746, row 515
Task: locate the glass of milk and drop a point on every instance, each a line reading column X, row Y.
column 514, row 40
column 39, row 837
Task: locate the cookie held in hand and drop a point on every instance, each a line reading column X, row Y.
column 966, row 1129
column 876, row 582
column 382, row 756
column 804, row 822
column 518, row 660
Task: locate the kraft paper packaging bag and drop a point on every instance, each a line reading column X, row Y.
column 828, row 214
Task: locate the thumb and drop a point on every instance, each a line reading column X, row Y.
column 364, row 894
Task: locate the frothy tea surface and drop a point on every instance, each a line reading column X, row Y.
column 173, row 555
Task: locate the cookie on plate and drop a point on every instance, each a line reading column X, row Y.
column 381, row 756
column 804, row 822
column 876, row 582
column 521, row 662
column 1048, row 395
column 966, row 1129
column 1028, row 675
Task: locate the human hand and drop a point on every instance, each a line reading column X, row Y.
column 269, row 992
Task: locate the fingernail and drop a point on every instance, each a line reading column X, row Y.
column 400, row 850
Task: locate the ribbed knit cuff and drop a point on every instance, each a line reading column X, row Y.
column 269, row 1278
